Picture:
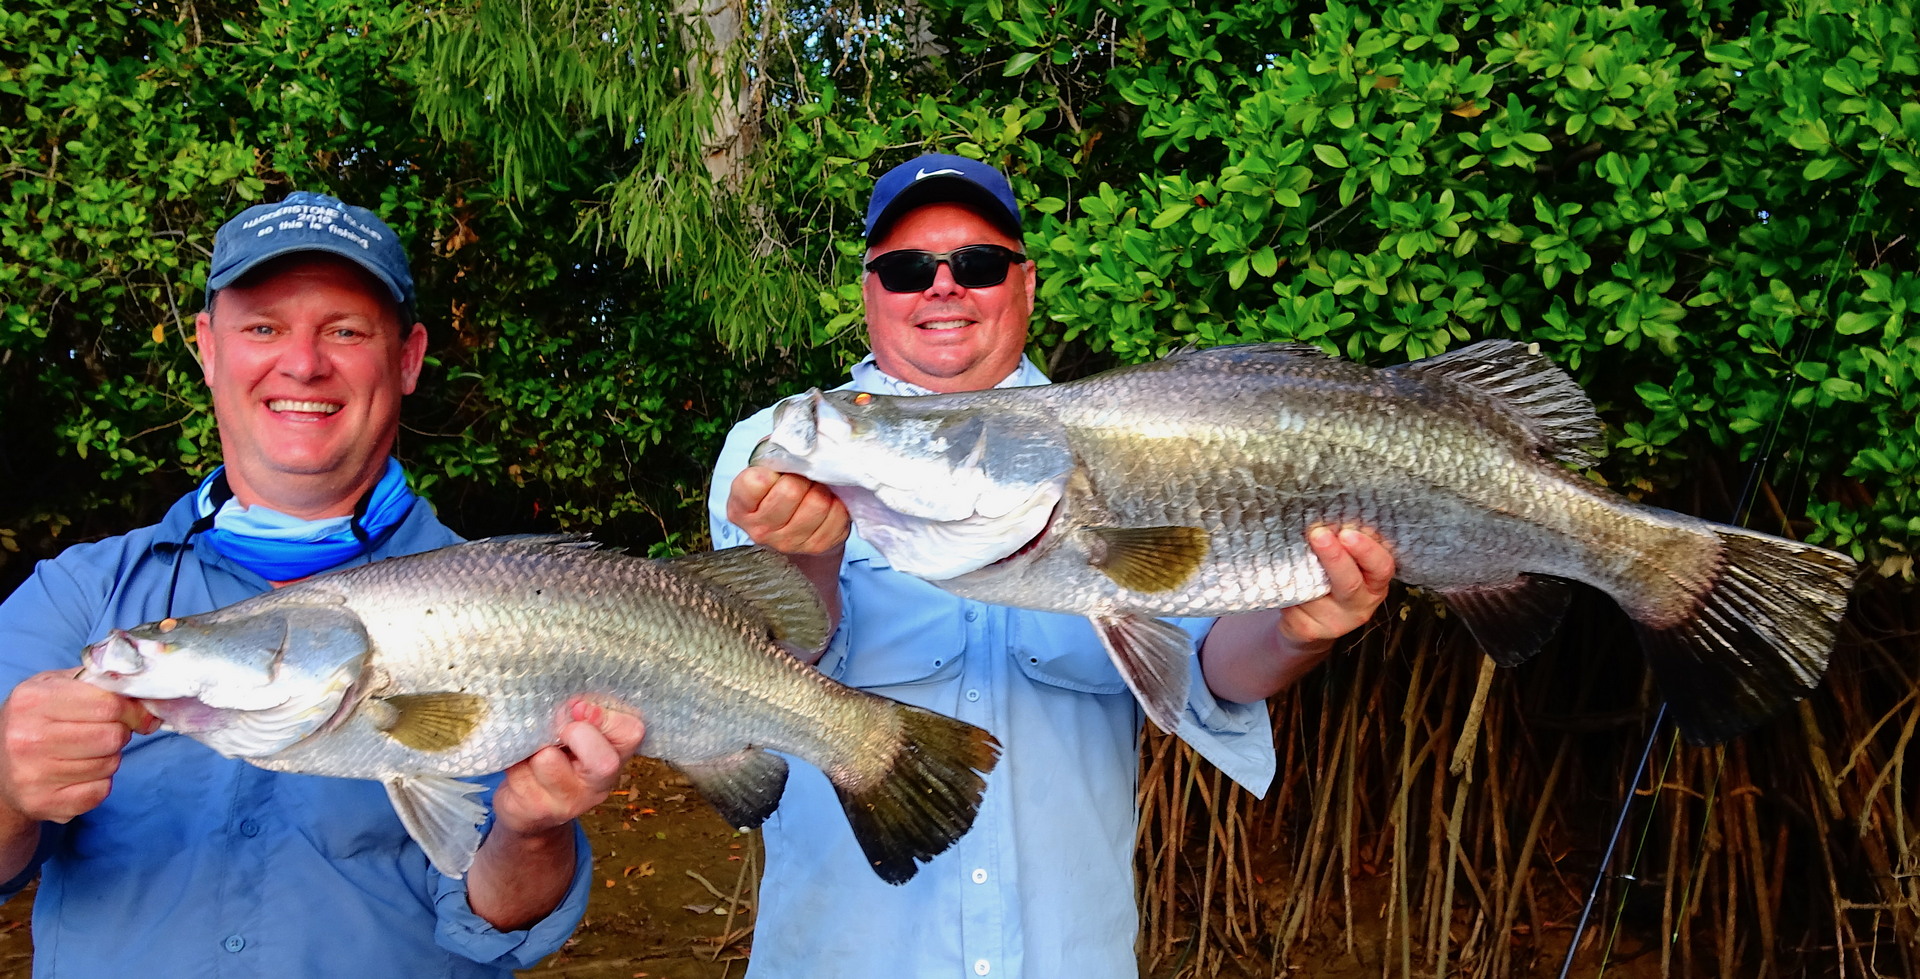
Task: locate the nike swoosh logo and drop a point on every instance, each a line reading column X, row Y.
column 924, row 174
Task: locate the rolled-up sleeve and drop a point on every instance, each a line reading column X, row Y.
column 464, row 933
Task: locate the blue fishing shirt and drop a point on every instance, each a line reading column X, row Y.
column 1043, row 885
column 198, row 865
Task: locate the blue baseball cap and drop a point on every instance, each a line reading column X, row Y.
column 308, row 222
column 937, row 177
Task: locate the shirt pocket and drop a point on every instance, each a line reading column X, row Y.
column 1062, row 651
column 896, row 629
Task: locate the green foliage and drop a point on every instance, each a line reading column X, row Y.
column 565, row 390
column 1705, row 218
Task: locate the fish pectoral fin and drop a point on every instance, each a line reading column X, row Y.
column 745, row 786
column 442, row 816
column 1152, row 657
column 427, row 721
column 1149, row 559
column 1513, row 619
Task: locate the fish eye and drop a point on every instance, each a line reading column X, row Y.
column 862, row 398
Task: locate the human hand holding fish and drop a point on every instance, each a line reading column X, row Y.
column 801, row 519
column 522, row 870
column 1251, row 656
column 60, row 742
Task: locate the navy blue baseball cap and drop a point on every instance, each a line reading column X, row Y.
column 308, row 222
column 938, row 177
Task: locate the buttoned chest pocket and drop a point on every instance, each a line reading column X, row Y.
column 1062, row 650
column 897, row 629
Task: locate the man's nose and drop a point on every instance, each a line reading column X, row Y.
column 303, row 357
column 943, row 282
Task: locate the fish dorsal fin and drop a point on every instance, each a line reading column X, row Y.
column 1531, row 388
column 768, row 583
column 1148, row 559
column 427, row 721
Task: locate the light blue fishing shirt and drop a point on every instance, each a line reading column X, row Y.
column 197, row 865
column 1043, row 886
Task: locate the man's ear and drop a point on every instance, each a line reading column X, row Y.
column 413, row 353
column 203, row 339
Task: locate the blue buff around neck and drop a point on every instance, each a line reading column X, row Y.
column 279, row 547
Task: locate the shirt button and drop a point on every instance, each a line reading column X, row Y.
column 235, row 943
column 973, row 695
column 973, row 614
column 249, row 828
column 979, row 875
column 980, row 967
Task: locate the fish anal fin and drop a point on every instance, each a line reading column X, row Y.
column 437, row 721
column 1529, row 387
column 1759, row 639
column 1152, row 658
column 767, row 582
column 924, row 799
column 1511, row 620
column 745, row 787
column 1148, row 559
column 442, row 815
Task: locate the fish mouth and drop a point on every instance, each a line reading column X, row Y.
column 113, row 658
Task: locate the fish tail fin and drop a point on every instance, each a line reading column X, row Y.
column 1759, row 640
column 925, row 798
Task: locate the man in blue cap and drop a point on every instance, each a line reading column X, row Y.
column 1043, row 884
column 155, row 855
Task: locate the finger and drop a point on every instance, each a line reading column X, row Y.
column 749, row 488
column 1372, row 557
column 1343, row 576
column 595, row 762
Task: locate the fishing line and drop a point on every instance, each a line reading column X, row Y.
column 1742, row 512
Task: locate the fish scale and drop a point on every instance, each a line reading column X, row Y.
column 1188, row 487
column 463, row 661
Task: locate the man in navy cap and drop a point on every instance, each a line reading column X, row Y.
column 1043, row 884
column 155, row 855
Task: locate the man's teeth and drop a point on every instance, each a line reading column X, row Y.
column 322, row 407
column 943, row 325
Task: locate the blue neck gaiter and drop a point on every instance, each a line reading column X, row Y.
column 279, row 547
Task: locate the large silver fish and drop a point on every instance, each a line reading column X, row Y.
column 417, row 671
column 1188, row 487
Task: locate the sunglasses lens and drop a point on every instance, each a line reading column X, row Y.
column 905, row 271
column 979, row 266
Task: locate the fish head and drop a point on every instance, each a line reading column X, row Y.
column 246, row 684
column 940, row 484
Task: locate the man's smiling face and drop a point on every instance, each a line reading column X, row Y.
column 948, row 337
column 307, row 360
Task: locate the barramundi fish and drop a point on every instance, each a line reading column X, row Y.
column 1187, row 487
column 419, row 671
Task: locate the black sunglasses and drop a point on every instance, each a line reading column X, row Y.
column 974, row 267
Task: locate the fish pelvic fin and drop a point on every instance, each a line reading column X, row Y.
column 428, row 721
column 1152, row 658
column 926, row 798
column 767, row 582
column 1760, row 639
column 745, row 786
column 1511, row 620
column 442, row 815
column 1148, row 559
column 1530, row 387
